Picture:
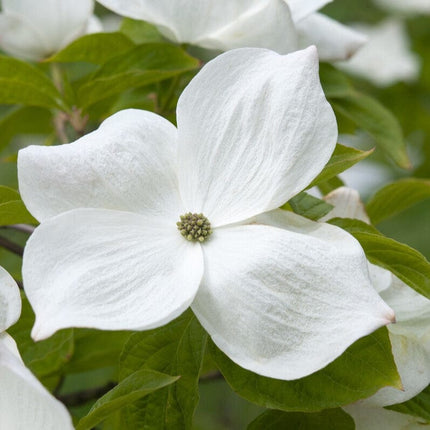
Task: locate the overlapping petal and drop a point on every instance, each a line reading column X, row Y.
column 109, row 270
column 293, row 302
column 252, row 138
column 302, row 8
column 129, row 164
column 33, row 32
column 24, row 402
column 10, row 301
column 405, row 6
column 333, row 40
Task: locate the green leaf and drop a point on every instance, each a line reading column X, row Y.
column 28, row 119
column 177, row 348
column 371, row 116
column 95, row 48
column 419, row 406
column 364, row 368
column 140, row 31
column 138, row 67
column 334, row 82
column 12, row 208
column 131, row 389
column 396, row 197
column 342, row 158
column 22, row 83
column 405, row 262
column 330, row 185
column 309, row 206
column 331, row 419
column 95, row 349
column 46, row 357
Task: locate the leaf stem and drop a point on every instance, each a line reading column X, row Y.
column 81, row 397
column 11, row 246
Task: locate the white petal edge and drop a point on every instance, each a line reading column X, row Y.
column 24, row 402
column 377, row 418
column 302, row 8
column 129, row 164
column 405, row 6
column 254, row 129
column 10, row 300
column 333, row 40
column 285, row 302
column 109, row 270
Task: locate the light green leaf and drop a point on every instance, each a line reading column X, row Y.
column 131, row 389
column 177, row 348
column 342, row 158
column 331, row 419
column 46, row 357
column 309, row 206
column 22, row 83
column 12, row 208
column 140, row 31
column 396, row 197
column 364, row 368
column 95, row 48
column 405, row 262
column 371, row 116
column 419, row 406
column 138, row 67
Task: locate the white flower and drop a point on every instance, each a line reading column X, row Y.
column 280, row 25
column 280, row 295
column 405, row 6
column 386, row 58
column 24, row 403
column 33, row 30
column 410, row 336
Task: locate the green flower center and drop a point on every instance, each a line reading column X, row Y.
column 194, row 227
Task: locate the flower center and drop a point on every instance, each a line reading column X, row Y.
column 194, row 227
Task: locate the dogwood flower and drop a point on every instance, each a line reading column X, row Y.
column 410, row 336
column 405, row 6
column 35, row 30
column 140, row 220
column 281, row 25
column 386, row 58
column 24, row 402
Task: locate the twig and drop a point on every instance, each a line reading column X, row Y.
column 211, row 376
column 11, row 246
column 81, row 397
column 25, row 228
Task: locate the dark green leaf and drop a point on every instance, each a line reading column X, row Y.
column 131, row 389
column 396, row 197
column 309, row 206
column 22, row 83
column 342, row 158
column 371, row 116
column 138, row 67
column 177, row 348
column 364, row 368
column 405, row 262
column 419, row 406
column 94, row 48
column 331, row 419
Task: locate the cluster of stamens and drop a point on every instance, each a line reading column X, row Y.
column 194, row 227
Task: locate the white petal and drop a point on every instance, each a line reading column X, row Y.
column 127, row 164
column 109, row 270
column 405, row 6
column 302, row 8
column 285, row 302
column 24, row 403
column 412, row 361
column 386, row 58
column 254, row 129
column 376, row 418
column 268, row 25
column 381, row 278
column 347, row 204
column 184, row 20
column 10, row 301
column 333, row 40
column 55, row 21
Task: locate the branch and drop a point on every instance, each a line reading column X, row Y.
column 82, row 397
column 215, row 375
column 11, row 246
column 25, row 228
